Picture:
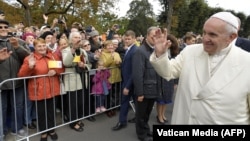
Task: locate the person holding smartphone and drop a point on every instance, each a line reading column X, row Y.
column 12, row 55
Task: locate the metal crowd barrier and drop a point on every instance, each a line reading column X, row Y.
column 112, row 101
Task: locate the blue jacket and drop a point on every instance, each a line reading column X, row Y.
column 243, row 43
column 126, row 69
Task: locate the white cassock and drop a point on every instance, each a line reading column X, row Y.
column 211, row 90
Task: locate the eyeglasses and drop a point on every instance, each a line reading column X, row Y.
column 86, row 45
column 1, row 27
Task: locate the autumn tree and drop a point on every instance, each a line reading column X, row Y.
column 88, row 12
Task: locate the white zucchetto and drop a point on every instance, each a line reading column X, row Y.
column 227, row 17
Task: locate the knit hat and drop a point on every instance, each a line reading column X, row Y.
column 4, row 22
column 94, row 33
column 28, row 34
column 228, row 18
column 45, row 34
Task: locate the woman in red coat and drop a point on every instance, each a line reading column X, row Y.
column 43, row 89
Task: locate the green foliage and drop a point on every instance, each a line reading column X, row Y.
column 190, row 15
column 140, row 16
column 246, row 28
column 180, row 16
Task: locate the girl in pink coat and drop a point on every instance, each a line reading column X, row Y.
column 101, row 86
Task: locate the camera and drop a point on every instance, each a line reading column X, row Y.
column 11, row 34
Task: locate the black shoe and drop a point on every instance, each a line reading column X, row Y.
column 146, row 139
column 150, row 134
column 31, row 126
column 162, row 123
column 165, row 120
column 119, row 126
column 44, row 138
column 131, row 120
column 92, row 119
column 81, row 123
column 79, row 129
column 53, row 136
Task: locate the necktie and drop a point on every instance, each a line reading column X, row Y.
column 126, row 52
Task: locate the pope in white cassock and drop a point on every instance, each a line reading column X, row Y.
column 214, row 78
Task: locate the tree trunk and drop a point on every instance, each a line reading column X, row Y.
column 28, row 16
column 169, row 14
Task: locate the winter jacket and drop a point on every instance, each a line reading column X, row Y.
column 42, row 87
column 100, row 76
column 11, row 66
column 146, row 81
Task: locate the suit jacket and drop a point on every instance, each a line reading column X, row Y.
column 204, row 99
column 126, row 68
column 243, row 43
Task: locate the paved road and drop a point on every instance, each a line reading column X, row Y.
column 100, row 130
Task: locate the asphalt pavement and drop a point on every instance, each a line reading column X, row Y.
column 101, row 129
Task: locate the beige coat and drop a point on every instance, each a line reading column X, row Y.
column 202, row 99
column 72, row 81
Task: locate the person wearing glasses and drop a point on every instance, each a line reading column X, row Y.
column 89, row 100
column 11, row 61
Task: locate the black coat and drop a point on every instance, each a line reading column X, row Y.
column 11, row 66
column 146, row 80
column 243, row 43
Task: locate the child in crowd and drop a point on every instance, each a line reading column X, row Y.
column 101, row 86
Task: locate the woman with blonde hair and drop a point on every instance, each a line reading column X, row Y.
column 112, row 61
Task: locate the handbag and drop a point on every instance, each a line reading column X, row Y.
column 78, row 69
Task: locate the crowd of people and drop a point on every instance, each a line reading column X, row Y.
column 98, row 75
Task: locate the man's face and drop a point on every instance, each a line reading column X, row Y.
column 129, row 40
column 191, row 41
column 215, row 36
column 150, row 36
column 3, row 29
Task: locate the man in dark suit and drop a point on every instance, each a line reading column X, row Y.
column 147, row 85
column 127, row 85
column 242, row 42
